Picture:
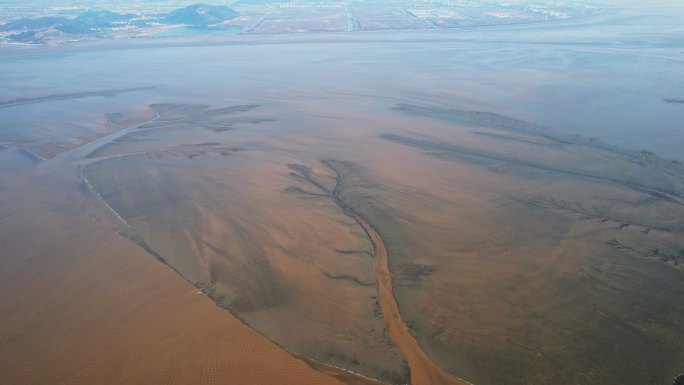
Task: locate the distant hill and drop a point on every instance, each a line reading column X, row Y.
column 104, row 17
column 32, row 24
column 201, row 15
column 27, row 37
column 101, row 22
column 92, row 21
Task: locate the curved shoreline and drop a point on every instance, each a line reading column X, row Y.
column 423, row 371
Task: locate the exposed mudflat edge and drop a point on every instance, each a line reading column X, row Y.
column 75, row 95
column 494, row 120
column 346, row 376
column 669, row 196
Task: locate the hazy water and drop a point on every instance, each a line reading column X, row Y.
column 190, row 31
column 605, row 78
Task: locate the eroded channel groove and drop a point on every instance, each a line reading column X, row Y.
column 423, row 370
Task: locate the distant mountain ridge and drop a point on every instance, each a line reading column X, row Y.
column 84, row 23
column 96, row 22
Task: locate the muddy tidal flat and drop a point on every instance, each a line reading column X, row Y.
column 424, row 207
